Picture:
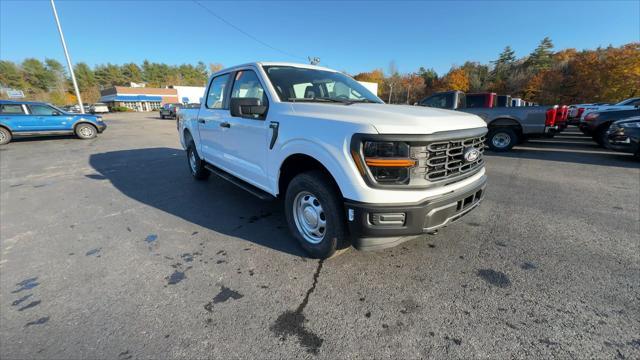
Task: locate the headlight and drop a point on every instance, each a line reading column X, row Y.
column 388, row 162
column 633, row 124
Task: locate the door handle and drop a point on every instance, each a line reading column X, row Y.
column 201, row 121
column 225, row 125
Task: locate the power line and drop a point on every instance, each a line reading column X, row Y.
column 247, row 34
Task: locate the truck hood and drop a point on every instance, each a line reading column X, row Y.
column 392, row 119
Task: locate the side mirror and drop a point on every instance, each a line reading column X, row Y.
column 248, row 107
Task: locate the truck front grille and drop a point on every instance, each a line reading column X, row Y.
column 444, row 160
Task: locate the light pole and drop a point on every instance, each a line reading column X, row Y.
column 66, row 54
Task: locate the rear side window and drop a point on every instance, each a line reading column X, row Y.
column 216, row 93
column 475, row 101
column 15, row 109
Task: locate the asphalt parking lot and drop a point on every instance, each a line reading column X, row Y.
column 108, row 249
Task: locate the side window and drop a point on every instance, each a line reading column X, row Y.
column 12, row 109
column 247, row 85
column 43, row 110
column 215, row 96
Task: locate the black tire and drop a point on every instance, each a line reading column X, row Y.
column 196, row 165
column 86, row 131
column 308, row 187
column 5, row 136
column 502, row 139
column 600, row 135
column 161, row 116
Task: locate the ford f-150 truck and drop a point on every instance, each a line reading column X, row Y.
column 350, row 169
column 507, row 125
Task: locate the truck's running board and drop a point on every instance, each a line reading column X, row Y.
column 259, row 193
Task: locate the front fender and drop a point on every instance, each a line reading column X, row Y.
column 344, row 172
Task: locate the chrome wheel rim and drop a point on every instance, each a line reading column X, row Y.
column 501, row 140
column 2, row 136
column 86, row 131
column 309, row 217
column 193, row 162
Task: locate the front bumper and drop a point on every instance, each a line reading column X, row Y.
column 101, row 127
column 421, row 218
column 624, row 142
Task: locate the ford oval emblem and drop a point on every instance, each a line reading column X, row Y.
column 471, row 154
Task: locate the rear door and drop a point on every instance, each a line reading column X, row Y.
column 15, row 117
column 245, row 142
column 213, row 113
column 49, row 118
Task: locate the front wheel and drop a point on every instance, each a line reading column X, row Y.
column 86, row 131
column 315, row 214
column 196, row 165
column 501, row 139
column 5, row 136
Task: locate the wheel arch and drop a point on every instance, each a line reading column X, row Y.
column 6, row 128
column 187, row 136
column 298, row 163
column 80, row 122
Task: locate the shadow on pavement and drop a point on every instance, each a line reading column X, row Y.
column 159, row 177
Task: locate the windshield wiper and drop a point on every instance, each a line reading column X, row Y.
column 308, row 100
column 363, row 101
column 335, row 100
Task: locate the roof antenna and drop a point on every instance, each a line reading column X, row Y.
column 313, row 60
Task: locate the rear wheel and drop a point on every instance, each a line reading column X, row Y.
column 315, row 214
column 501, row 139
column 196, row 165
column 5, row 136
column 86, row 131
column 161, row 116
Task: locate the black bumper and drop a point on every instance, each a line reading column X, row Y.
column 420, row 218
column 101, row 127
column 624, row 143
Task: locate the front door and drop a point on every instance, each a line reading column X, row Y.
column 50, row 119
column 211, row 118
column 245, row 142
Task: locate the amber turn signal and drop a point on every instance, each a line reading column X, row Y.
column 380, row 162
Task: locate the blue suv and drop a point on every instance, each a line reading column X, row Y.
column 25, row 118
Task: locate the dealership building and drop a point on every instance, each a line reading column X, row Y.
column 138, row 98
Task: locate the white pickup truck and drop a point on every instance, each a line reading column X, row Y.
column 350, row 169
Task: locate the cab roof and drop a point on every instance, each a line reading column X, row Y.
column 275, row 63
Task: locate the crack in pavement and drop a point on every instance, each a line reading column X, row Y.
column 291, row 323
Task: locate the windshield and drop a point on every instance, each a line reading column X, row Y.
column 299, row 84
column 627, row 102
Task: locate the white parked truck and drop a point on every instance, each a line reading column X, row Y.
column 350, row 169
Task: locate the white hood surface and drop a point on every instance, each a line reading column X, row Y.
column 392, row 119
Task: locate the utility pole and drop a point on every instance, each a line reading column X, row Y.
column 66, row 54
column 390, row 92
